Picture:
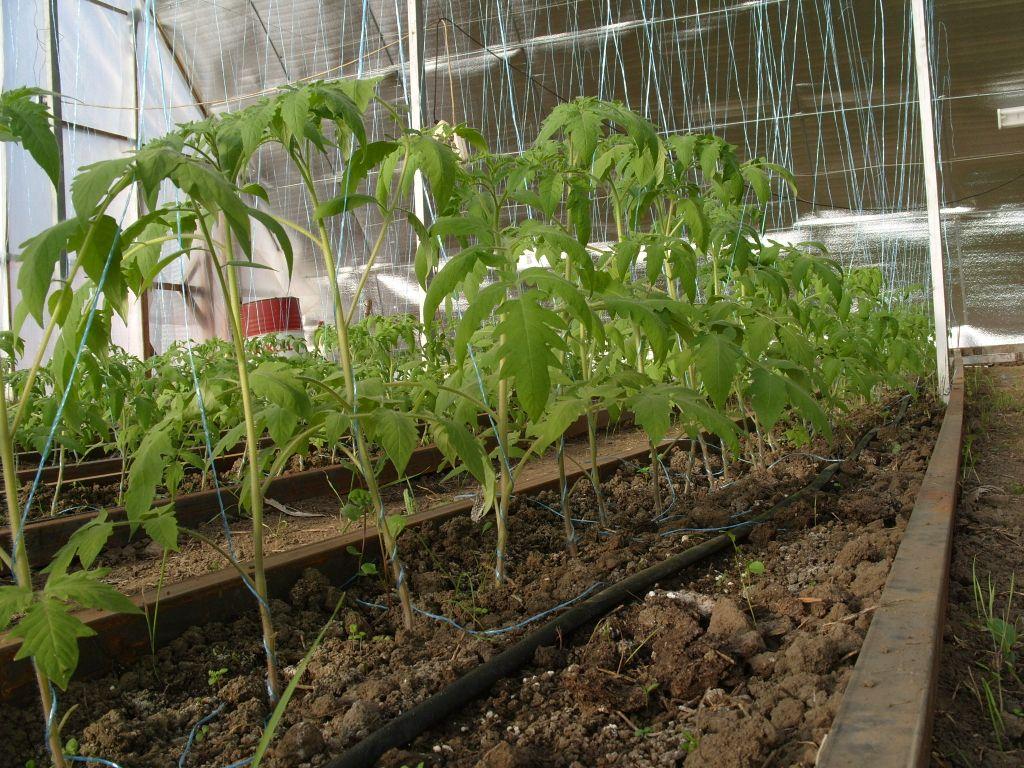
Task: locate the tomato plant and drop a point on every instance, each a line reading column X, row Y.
column 607, row 268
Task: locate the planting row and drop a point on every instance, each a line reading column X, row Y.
column 368, row 669
column 535, row 314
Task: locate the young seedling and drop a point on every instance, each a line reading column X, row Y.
column 752, row 569
column 214, row 676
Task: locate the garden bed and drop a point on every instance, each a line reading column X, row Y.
column 315, row 477
column 810, row 607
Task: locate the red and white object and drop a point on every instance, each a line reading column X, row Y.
column 280, row 315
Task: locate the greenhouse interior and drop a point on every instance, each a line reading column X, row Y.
column 470, row 384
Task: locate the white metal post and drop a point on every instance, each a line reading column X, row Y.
column 5, row 251
column 414, row 21
column 931, row 184
column 137, row 321
column 57, row 108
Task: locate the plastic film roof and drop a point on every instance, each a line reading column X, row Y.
column 824, row 87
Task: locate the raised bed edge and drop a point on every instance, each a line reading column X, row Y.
column 885, row 717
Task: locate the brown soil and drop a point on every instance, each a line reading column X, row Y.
column 137, row 566
column 988, row 549
column 84, row 494
column 745, row 688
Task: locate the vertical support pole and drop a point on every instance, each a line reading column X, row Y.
column 931, row 183
column 5, row 251
column 57, row 108
column 138, row 316
column 414, row 21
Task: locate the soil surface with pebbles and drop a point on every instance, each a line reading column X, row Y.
column 740, row 662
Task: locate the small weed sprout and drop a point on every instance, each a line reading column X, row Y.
column 690, row 742
column 751, row 569
column 1002, row 637
column 648, row 690
column 214, row 676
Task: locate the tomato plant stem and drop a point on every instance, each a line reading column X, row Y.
column 505, row 487
column 231, row 297
column 20, row 565
column 341, row 322
column 570, row 533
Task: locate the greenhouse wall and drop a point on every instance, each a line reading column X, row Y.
column 829, row 93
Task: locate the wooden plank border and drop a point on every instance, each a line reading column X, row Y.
column 885, row 717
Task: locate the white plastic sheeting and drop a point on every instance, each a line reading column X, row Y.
column 824, row 87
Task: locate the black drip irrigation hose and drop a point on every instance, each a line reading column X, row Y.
column 407, row 726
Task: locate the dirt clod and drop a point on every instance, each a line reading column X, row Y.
column 300, row 743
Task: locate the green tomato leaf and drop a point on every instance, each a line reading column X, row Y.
column 530, row 336
column 92, row 182
column 683, row 146
column 39, row 256
column 13, row 600
column 652, row 409
column 397, row 435
column 709, row 156
column 277, row 230
column 281, row 423
column 758, row 180
column 460, row 446
column 294, row 105
column 560, row 415
column 768, row 395
column 343, row 204
column 88, row 541
column 89, row 590
column 439, row 164
column 808, row 407
column 162, row 527
column 277, row 383
column 49, row 634
column 145, row 474
column 717, row 360
column 449, row 277
column 395, row 524
column 28, row 122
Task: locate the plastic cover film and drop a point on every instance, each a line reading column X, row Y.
column 826, row 88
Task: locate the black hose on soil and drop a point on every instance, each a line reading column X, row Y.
column 407, row 726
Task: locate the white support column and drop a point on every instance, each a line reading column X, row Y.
column 57, row 108
column 414, row 24
column 5, row 251
column 137, row 319
column 931, row 183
